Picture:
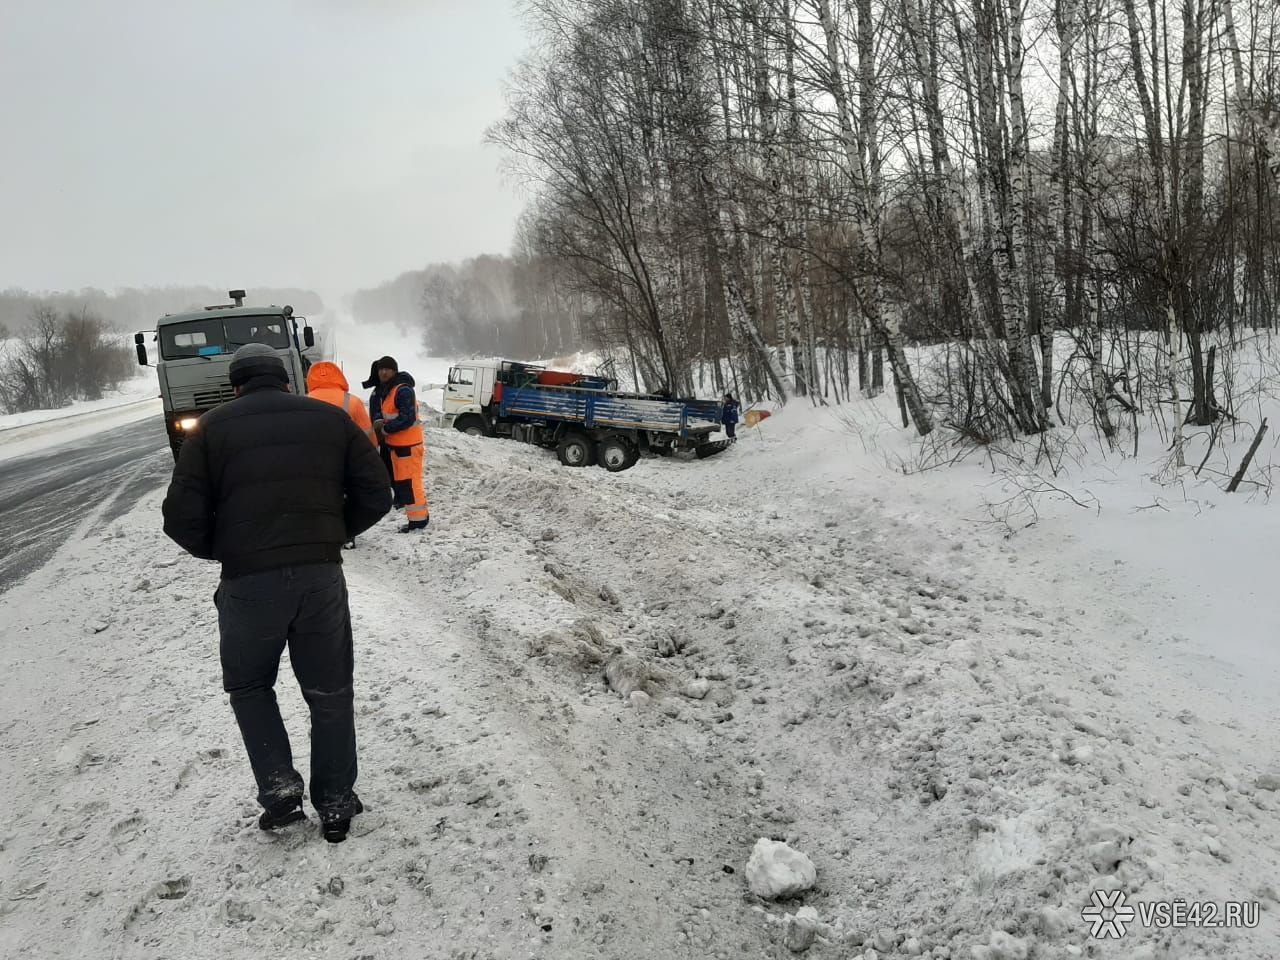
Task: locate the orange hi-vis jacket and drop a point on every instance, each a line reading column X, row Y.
column 410, row 436
column 407, row 453
column 325, row 381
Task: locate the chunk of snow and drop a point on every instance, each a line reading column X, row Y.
column 775, row 870
column 697, row 689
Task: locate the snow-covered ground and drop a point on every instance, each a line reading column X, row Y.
column 966, row 732
column 36, row 430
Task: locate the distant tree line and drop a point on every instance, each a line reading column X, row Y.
column 132, row 309
column 792, row 194
column 60, row 357
column 514, row 306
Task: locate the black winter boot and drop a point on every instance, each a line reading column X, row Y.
column 335, row 831
column 281, row 815
column 415, row 525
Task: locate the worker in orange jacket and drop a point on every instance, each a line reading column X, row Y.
column 326, row 381
column 399, row 426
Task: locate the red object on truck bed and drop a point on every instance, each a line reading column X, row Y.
column 555, row 378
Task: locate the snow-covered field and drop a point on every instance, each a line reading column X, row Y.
column 966, row 732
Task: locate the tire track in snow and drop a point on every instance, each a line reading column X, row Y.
column 45, row 498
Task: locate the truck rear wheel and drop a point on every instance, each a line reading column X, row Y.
column 616, row 454
column 576, row 450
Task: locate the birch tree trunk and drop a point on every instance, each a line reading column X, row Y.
column 1060, row 189
column 1009, row 197
column 957, row 205
column 872, row 299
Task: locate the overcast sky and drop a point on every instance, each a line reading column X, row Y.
column 325, row 143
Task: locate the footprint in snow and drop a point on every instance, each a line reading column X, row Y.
column 127, row 830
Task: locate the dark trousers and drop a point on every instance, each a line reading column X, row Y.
column 305, row 608
column 731, row 430
column 384, row 451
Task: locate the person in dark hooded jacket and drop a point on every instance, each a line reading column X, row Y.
column 729, row 416
column 398, row 425
column 379, row 392
column 271, row 485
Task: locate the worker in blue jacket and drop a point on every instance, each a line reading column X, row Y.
column 729, row 416
column 399, row 429
column 375, row 404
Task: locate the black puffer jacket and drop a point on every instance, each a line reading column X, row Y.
column 272, row 480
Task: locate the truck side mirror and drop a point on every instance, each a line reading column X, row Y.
column 308, row 336
column 138, row 341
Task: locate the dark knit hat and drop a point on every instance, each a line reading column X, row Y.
column 385, row 363
column 256, row 360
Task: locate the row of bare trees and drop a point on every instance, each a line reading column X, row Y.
column 790, row 196
column 60, row 357
column 491, row 305
column 134, row 308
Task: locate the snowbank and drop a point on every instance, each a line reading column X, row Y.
column 23, row 434
column 968, row 732
column 137, row 388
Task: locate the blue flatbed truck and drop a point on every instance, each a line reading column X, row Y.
column 584, row 418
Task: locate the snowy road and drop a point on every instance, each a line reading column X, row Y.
column 46, row 497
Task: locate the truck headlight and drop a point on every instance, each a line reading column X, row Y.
column 188, row 423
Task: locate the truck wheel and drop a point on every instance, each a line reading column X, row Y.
column 575, row 450
column 616, row 454
column 472, row 426
column 710, row 448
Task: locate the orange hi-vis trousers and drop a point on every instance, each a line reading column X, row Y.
column 407, row 464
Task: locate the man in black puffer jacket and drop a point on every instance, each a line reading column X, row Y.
column 272, row 485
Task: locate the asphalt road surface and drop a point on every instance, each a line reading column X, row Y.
column 47, row 497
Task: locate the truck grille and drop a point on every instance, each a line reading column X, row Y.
column 206, row 396
column 212, row 396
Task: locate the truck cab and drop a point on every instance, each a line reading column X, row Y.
column 193, row 356
column 467, row 395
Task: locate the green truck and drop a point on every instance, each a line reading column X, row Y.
column 193, row 356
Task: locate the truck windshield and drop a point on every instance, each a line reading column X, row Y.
column 214, row 335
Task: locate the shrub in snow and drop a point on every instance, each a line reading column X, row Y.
column 775, row 870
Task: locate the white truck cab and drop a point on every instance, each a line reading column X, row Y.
column 466, row 394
